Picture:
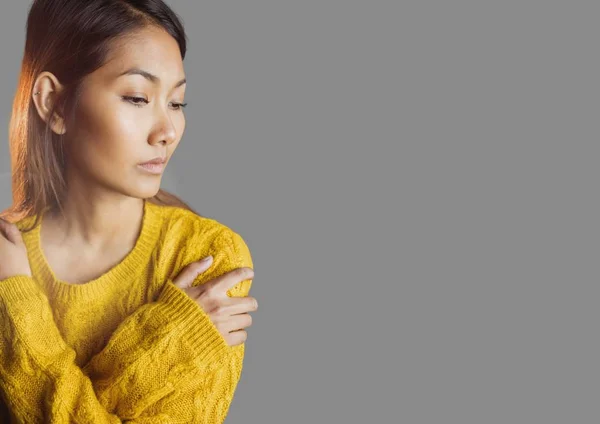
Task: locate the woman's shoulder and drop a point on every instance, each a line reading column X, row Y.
column 184, row 224
column 193, row 235
column 25, row 223
column 189, row 237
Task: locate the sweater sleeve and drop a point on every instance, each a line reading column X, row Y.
column 163, row 363
column 39, row 379
column 195, row 379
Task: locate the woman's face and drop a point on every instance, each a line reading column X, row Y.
column 112, row 133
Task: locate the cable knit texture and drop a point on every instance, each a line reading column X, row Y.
column 128, row 346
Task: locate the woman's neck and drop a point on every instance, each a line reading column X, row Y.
column 95, row 225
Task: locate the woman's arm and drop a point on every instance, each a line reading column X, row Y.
column 166, row 360
column 203, row 394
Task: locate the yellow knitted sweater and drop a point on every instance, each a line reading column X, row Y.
column 129, row 346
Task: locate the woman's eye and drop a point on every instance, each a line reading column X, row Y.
column 135, row 100
column 179, row 106
column 138, row 101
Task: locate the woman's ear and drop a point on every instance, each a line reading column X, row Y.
column 46, row 90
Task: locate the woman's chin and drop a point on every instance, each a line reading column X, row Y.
column 145, row 191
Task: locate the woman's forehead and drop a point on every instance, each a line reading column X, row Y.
column 154, row 55
column 164, row 75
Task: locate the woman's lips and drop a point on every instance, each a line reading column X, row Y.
column 153, row 168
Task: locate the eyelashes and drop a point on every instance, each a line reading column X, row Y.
column 133, row 100
column 136, row 102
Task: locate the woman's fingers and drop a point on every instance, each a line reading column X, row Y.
column 7, row 230
column 222, row 284
column 235, row 305
column 188, row 274
column 3, row 228
column 229, row 314
column 11, row 232
column 236, row 337
column 233, row 322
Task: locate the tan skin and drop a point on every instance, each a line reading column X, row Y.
column 112, row 136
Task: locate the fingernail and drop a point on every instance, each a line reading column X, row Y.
column 208, row 258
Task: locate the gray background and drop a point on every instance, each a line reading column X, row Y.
column 418, row 184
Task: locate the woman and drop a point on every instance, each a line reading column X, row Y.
column 106, row 313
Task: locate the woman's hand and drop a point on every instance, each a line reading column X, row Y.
column 13, row 253
column 229, row 314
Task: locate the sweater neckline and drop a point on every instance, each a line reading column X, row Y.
column 133, row 263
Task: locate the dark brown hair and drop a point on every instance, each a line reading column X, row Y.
column 71, row 39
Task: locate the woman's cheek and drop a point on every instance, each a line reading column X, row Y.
column 128, row 124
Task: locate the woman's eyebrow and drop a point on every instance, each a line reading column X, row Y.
column 150, row 77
